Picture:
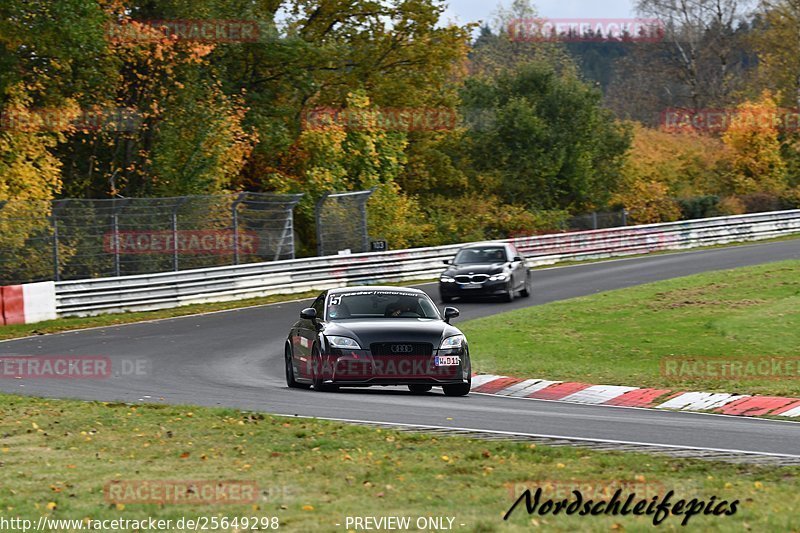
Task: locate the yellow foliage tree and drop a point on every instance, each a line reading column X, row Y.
column 755, row 162
column 662, row 166
column 29, row 179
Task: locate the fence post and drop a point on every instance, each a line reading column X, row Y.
column 115, row 233
column 115, row 230
column 624, row 217
column 364, row 229
column 54, row 220
column 317, row 222
column 235, row 215
column 175, row 208
column 594, row 219
column 289, row 227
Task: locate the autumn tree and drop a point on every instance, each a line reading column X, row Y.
column 753, row 141
column 663, row 167
column 702, row 44
column 29, row 180
column 551, row 144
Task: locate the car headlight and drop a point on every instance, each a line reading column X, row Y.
column 498, row 277
column 343, row 342
column 446, row 279
column 452, row 342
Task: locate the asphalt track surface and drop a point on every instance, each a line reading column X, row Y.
column 235, row 359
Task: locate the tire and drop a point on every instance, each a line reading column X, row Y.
column 447, row 299
column 460, row 389
column 509, row 295
column 316, row 363
column 526, row 291
column 290, row 381
column 419, row 389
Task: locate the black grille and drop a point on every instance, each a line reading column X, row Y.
column 474, row 278
column 401, row 348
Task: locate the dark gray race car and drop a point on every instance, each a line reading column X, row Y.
column 377, row 336
column 485, row 269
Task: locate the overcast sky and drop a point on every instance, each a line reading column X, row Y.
column 464, row 11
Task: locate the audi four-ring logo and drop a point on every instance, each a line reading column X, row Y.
column 402, row 348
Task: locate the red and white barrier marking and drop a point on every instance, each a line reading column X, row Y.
column 574, row 392
column 699, row 401
column 598, row 394
column 29, row 303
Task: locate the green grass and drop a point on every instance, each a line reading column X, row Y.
column 620, row 337
column 56, row 457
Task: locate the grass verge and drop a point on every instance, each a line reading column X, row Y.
column 58, row 456
column 621, row 337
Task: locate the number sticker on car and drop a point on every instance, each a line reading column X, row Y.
column 447, row 360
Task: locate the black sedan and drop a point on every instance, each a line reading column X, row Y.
column 368, row 336
column 487, row 269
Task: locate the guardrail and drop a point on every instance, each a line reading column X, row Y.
column 172, row 289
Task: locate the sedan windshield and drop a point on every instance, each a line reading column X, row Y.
column 489, row 254
column 380, row 304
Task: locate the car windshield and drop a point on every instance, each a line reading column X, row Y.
column 489, row 254
column 380, row 304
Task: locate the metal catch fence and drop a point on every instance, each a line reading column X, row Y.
column 76, row 238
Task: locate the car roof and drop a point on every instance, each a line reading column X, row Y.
column 483, row 244
column 409, row 290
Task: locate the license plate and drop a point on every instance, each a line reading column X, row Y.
column 471, row 286
column 447, row 360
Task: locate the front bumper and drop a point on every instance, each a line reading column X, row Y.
column 361, row 367
column 487, row 288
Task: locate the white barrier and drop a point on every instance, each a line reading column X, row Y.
column 172, row 289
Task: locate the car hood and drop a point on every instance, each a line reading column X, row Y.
column 392, row 330
column 477, row 268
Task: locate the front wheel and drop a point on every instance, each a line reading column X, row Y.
column 319, row 382
column 509, row 294
column 462, row 389
column 526, row 291
column 290, row 381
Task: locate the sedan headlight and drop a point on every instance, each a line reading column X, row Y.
column 498, row 277
column 446, row 279
column 452, row 342
column 343, row 342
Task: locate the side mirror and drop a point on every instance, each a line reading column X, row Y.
column 518, row 258
column 309, row 314
column 450, row 312
column 446, row 261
